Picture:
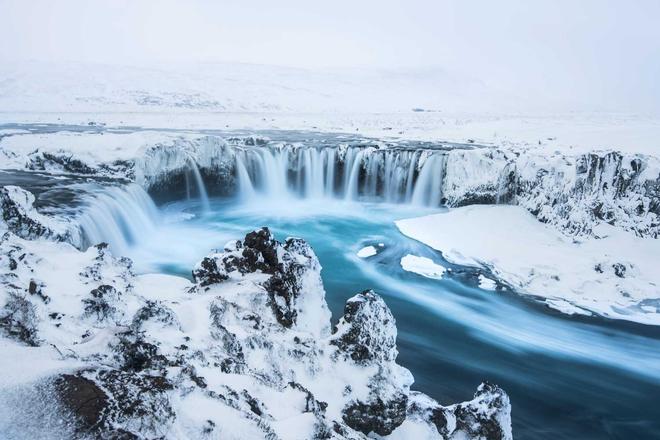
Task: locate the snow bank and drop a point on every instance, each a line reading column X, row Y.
column 615, row 276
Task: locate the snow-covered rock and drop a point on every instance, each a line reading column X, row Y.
column 20, row 217
column 244, row 351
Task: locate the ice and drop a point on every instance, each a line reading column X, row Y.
column 367, row 251
column 422, row 266
column 538, row 260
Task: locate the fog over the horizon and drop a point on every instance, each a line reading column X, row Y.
column 588, row 55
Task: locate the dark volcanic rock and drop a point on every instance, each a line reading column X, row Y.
column 377, row 416
column 367, row 331
column 261, row 252
column 18, row 214
column 482, row 417
column 82, row 398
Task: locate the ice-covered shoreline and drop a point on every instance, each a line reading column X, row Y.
column 614, row 276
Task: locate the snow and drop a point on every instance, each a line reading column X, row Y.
column 367, row 251
column 375, row 103
column 486, row 283
column 422, row 266
column 537, row 260
column 90, row 146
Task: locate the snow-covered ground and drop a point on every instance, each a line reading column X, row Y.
column 615, row 276
column 428, row 104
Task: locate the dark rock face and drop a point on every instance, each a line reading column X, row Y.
column 377, row 416
column 100, row 303
column 260, row 252
column 366, row 335
column 63, row 161
column 16, row 205
column 479, row 418
column 155, row 312
column 84, row 399
column 367, row 331
column 607, row 188
column 619, row 270
column 20, row 319
column 101, row 400
column 208, row 273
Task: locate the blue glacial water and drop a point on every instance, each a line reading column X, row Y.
column 568, row 378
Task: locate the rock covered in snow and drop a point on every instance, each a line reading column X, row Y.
column 20, row 217
column 243, row 352
column 292, row 283
column 367, row 331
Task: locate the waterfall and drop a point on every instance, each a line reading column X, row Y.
column 122, row 216
column 330, row 158
column 119, row 216
column 428, row 188
column 245, row 187
column 203, row 196
column 351, row 188
column 356, row 173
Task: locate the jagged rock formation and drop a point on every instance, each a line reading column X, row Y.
column 20, row 218
column 246, row 351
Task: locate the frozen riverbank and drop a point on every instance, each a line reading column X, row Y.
column 614, row 276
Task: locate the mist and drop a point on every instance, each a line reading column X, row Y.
column 587, row 55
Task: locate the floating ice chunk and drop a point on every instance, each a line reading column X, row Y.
column 367, row 251
column 422, row 266
column 566, row 307
column 486, row 283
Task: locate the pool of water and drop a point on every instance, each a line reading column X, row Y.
column 572, row 378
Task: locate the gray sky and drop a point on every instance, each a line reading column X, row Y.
column 600, row 54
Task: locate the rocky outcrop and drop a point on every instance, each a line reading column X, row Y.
column 20, row 217
column 245, row 351
column 610, row 188
column 367, row 332
column 292, row 270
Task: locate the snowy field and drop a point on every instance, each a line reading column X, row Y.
column 422, row 104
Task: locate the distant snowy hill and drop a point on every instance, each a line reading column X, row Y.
column 227, row 87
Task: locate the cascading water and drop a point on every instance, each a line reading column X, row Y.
column 119, row 216
column 349, row 173
column 203, row 195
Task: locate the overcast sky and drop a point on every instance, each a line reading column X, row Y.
column 601, row 52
